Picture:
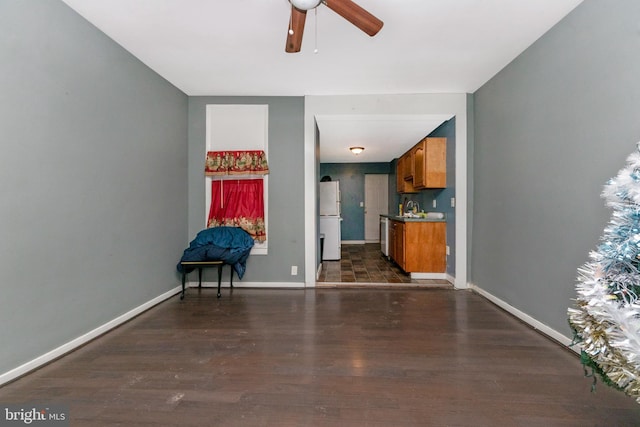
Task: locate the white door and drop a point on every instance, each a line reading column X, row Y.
column 376, row 202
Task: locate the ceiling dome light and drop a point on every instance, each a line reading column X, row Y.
column 305, row 4
column 356, row 150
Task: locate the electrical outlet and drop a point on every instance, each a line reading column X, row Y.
column 453, row 202
column 362, row 204
column 434, row 203
column 448, row 250
column 294, row 270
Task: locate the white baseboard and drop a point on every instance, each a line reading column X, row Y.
column 450, row 279
column 352, row 242
column 428, row 276
column 535, row 324
column 318, row 271
column 83, row 339
column 263, row 285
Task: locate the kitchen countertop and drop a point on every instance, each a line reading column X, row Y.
column 409, row 219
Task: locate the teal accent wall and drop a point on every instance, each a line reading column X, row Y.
column 351, row 177
column 443, row 197
column 93, row 178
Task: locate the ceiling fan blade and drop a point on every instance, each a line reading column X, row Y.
column 356, row 15
column 294, row 41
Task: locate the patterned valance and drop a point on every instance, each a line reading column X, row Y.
column 246, row 162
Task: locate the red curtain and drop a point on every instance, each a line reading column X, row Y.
column 238, row 203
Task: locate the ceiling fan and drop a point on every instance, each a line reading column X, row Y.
column 345, row 8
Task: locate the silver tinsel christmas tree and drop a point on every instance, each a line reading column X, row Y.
column 606, row 318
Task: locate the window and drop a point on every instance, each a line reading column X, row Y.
column 238, row 128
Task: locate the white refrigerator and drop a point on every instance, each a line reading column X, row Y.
column 330, row 220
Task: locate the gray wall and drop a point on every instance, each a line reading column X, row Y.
column 351, row 177
column 286, row 186
column 470, row 172
column 550, row 130
column 93, row 179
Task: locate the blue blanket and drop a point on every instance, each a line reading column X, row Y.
column 229, row 244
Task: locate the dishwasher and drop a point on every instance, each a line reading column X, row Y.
column 384, row 235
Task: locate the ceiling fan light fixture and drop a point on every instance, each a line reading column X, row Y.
column 305, row 4
column 356, row 150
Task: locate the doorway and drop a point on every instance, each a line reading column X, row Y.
column 459, row 105
column 362, row 264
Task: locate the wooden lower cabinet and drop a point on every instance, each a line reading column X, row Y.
column 392, row 239
column 398, row 242
column 418, row 246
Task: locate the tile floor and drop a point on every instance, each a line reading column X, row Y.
column 365, row 264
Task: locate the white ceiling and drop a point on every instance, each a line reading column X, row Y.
column 236, row 48
column 383, row 137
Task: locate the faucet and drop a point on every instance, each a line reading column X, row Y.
column 409, row 205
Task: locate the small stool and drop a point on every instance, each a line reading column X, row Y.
column 200, row 265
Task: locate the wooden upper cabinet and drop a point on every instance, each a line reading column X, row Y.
column 430, row 163
column 399, row 177
column 407, row 166
column 417, row 156
column 424, row 166
column 402, row 185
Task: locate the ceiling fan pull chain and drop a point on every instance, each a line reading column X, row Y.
column 316, row 30
column 291, row 24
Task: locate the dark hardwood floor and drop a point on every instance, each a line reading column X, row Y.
column 324, row 357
